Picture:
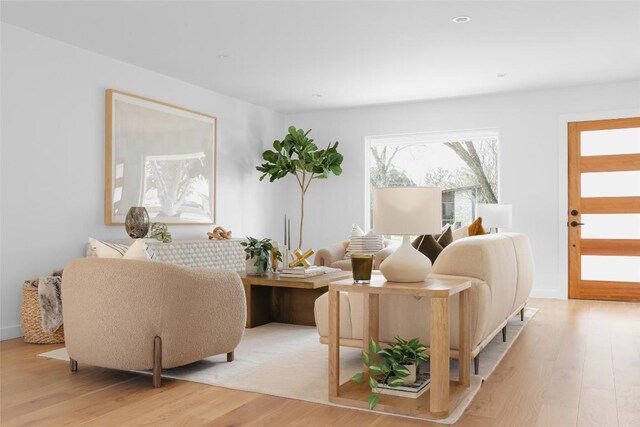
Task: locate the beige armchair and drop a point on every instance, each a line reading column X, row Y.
column 333, row 256
column 126, row 314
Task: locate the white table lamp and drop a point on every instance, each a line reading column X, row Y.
column 407, row 211
column 494, row 215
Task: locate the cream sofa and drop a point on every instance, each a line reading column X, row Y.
column 500, row 267
column 333, row 256
column 126, row 314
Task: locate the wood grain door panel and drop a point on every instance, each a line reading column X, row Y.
column 601, row 247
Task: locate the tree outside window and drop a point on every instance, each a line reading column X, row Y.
column 464, row 166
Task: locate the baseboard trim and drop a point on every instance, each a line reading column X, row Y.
column 546, row 293
column 10, row 332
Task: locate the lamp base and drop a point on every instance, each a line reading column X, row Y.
column 406, row 264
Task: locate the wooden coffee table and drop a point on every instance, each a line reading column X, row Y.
column 273, row 298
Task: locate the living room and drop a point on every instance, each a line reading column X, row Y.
column 520, row 82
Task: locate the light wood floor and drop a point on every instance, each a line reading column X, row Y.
column 577, row 363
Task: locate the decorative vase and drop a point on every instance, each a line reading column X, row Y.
column 137, row 222
column 412, row 374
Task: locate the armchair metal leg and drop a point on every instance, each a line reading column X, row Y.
column 522, row 314
column 504, row 334
column 230, row 356
column 476, row 364
column 157, row 362
column 73, row 365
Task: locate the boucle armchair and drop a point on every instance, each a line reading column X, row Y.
column 334, row 255
column 136, row 315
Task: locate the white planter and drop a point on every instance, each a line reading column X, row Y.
column 412, row 374
column 251, row 269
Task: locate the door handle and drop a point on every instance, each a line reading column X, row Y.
column 575, row 223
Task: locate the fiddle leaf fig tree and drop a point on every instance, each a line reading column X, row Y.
column 297, row 155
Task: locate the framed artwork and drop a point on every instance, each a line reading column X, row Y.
column 161, row 157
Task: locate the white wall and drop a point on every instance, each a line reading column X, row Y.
column 530, row 172
column 52, row 156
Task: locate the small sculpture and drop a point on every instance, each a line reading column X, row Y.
column 301, row 258
column 219, row 233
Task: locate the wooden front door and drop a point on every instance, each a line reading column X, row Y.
column 604, row 209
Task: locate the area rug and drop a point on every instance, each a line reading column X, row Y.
column 289, row 361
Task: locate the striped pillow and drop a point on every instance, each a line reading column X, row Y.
column 102, row 249
column 363, row 243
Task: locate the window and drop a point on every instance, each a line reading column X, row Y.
column 464, row 164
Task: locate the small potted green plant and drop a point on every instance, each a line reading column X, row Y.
column 258, row 255
column 393, row 366
column 410, row 354
column 159, row 231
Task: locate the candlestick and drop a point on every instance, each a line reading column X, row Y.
column 285, row 230
column 289, row 232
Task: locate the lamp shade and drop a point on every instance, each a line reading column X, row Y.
column 494, row 215
column 407, row 210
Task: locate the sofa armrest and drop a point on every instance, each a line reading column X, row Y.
column 329, row 255
column 204, row 313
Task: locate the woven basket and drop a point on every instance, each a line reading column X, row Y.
column 31, row 320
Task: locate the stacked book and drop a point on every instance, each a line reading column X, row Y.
column 301, row 272
column 407, row 390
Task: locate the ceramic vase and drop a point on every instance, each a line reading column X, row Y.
column 137, row 222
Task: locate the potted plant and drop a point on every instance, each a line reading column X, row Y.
column 159, row 231
column 409, row 354
column 297, row 155
column 258, row 255
column 392, row 365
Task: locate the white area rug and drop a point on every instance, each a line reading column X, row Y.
column 289, row 361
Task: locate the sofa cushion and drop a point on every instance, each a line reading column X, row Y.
column 428, row 246
column 460, row 233
column 524, row 259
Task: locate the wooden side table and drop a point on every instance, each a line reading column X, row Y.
column 444, row 395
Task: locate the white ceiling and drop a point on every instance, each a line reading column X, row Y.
column 353, row 53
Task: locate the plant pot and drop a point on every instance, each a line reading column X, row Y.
column 412, row 373
column 252, row 270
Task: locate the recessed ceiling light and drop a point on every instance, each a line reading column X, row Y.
column 223, row 56
column 316, row 95
column 461, row 19
column 502, row 75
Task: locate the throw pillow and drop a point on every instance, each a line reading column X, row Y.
column 363, row 243
column 476, row 229
column 107, row 250
column 460, row 233
column 428, row 246
column 446, row 237
column 138, row 250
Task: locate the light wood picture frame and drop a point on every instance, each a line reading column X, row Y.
column 159, row 156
